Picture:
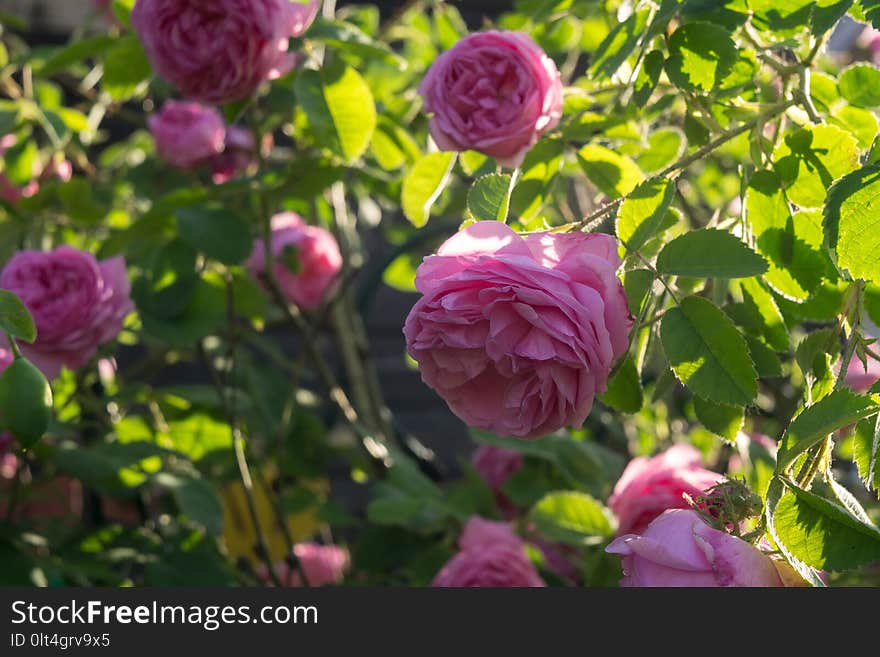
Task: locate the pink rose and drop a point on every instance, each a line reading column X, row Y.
column 495, row 465
column 650, row 486
column 519, row 333
column 323, row 565
column 219, row 51
column 238, row 154
column 77, row 303
column 680, row 549
column 857, row 377
column 316, row 255
column 187, row 134
column 491, row 555
column 493, row 92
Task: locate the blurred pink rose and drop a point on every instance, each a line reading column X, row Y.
column 187, row 134
column 220, row 51
column 680, row 549
column 519, row 333
column 315, row 251
column 650, row 486
column 238, row 154
column 495, row 464
column 323, row 565
column 493, row 92
column 858, row 378
column 491, row 555
column 77, row 303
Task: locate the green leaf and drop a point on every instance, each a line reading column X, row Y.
column 700, row 56
column 809, row 160
column 861, row 123
column 860, row 85
column 822, row 533
column 572, row 517
column 77, row 51
column 540, row 171
column 665, row 146
column 760, row 302
column 637, row 283
column 766, row 361
column 793, row 244
column 775, row 493
column 195, row 497
column 710, row 253
column 126, row 68
column 15, row 318
column 624, row 391
column 20, row 162
column 643, row 211
column 348, row 37
column 423, row 185
column 866, row 452
column 721, row 419
column 489, row 197
column 815, row 423
column 340, row 108
column 217, row 233
column 78, row 202
column 619, row 44
column 646, row 81
column 851, row 223
column 707, row 353
column 204, row 314
column 615, row 175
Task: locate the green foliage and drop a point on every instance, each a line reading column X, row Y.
column 709, row 253
column 15, row 319
column 572, row 517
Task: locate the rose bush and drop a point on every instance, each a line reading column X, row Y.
column 286, row 272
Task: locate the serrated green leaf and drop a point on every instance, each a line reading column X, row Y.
column 700, row 56
column 859, row 122
column 766, row 361
column 76, row 51
column 760, row 302
column 860, row 85
column 775, row 493
column 646, row 80
column 15, row 318
column 340, row 108
column 707, row 353
column 637, row 284
column 815, row 423
column 615, row 175
column 643, row 211
column 624, row 391
column 721, row 419
column 866, row 452
column 665, row 146
column 126, row 68
column 851, row 223
column 423, row 184
column 572, row 517
column 619, row 44
column 809, row 160
column 489, row 197
column 710, row 253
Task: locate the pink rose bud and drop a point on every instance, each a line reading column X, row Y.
column 238, row 155
column 650, row 486
column 493, row 92
column 219, row 51
column 307, row 259
column 187, row 134
column 77, row 303
column 679, row 549
column 519, row 333
column 491, row 555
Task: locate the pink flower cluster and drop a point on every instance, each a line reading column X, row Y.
column 77, row 303
column 11, row 193
column 314, row 252
column 493, row 92
column 490, row 555
column 220, row 51
column 519, row 333
column 323, row 565
column 190, row 135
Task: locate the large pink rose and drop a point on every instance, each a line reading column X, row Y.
column 77, row 303
column 218, row 51
column 519, row 333
column 187, row 134
column 493, row 92
column 317, row 256
column 680, row 549
column 491, row 555
column 650, row 486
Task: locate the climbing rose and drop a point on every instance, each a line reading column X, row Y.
column 220, row 51
column 77, row 303
column 491, row 555
column 519, row 333
column 680, row 549
column 493, row 92
column 187, row 134
column 316, row 255
column 650, row 486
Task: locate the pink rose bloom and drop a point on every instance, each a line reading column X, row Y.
column 859, row 379
column 219, row 51
column 680, row 549
column 495, row 464
column 323, row 565
column 77, row 303
column 316, row 254
column 493, row 92
column 491, row 555
column 238, row 153
column 187, row 134
column 519, row 333
column 650, row 486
